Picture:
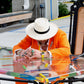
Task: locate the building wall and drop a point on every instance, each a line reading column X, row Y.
column 50, row 11
column 17, row 5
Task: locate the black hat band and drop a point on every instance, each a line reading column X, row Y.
column 42, row 32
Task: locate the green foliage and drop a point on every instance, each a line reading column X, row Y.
column 63, row 11
column 10, row 6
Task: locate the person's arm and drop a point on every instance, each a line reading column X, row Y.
column 60, row 55
column 63, row 49
column 23, row 44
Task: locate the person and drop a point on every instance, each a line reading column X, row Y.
column 44, row 36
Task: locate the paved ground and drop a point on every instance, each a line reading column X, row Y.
column 12, row 27
column 11, row 35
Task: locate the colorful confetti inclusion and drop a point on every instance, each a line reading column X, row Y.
column 67, row 75
column 35, row 70
column 25, row 76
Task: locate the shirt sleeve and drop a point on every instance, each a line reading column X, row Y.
column 23, row 44
column 60, row 54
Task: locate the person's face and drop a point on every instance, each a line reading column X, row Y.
column 43, row 42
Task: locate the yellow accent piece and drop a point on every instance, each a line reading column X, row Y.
column 5, row 58
column 46, row 65
column 60, row 18
column 68, row 2
column 42, row 75
column 47, row 81
column 42, row 57
column 40, row 79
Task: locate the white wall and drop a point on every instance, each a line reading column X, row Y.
column 51, row 10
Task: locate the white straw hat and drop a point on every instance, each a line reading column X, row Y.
column 41, row 29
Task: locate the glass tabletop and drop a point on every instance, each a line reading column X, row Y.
column 37, row 69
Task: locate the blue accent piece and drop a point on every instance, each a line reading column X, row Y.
column 28, row 77
column 75, row 58
column 36, row 70
column 42, row 5
column 54, row 78
column 51, row 8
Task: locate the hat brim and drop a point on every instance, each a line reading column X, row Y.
column 31, row 33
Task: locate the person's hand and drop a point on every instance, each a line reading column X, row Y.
column 24, row 53
column 30, row 52
column 20, row 57
column 17, row 55
column 32, row 57
column 35, row 54
column 28, row 55
column 23, row 60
